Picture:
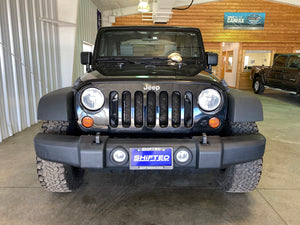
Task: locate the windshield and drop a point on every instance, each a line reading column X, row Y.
column 149, row 52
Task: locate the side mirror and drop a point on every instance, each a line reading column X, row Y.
column 295, row 65
column 86, row 59
column 212, row 59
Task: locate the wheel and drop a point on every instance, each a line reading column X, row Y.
column 58, row 177
column 240, row 128
column 258, row 86
column 243, row 177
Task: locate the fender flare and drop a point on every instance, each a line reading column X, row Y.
column 57, row 105
column 244, row 107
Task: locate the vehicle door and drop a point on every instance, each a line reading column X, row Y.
column 292, row 73
column 277, row 71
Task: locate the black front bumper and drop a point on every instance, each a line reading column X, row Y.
column 82, row 151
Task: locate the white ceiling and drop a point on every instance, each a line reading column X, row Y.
column 114, row 4
column 119, row 4
column 104, row 5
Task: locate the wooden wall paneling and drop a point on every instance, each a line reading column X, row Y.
column 282, row 22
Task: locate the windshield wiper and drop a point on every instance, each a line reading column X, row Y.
column 116, row 60
column 154, row 58
column 150, row 63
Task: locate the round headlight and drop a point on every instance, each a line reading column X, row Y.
column 209, row 99
column 92, row 99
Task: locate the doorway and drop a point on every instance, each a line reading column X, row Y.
column 230, row 53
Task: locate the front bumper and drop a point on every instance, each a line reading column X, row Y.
column 82, row 151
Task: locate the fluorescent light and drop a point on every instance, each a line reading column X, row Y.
column 143, row 6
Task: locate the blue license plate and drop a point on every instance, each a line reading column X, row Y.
column 151, row 158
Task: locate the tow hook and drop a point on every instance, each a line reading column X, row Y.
column 97, row 138
column 204, row 139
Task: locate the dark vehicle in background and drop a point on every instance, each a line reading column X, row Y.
column 146, row 103
column 283, row 74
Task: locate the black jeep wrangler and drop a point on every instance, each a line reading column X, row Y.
column 146, row 103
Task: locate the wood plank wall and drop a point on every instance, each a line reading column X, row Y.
column 281, row 33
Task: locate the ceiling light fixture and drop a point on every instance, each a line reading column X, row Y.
column 143, row 6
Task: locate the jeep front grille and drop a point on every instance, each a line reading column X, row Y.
column 151, row 109
column 138, row 109
column 163, row 109
column 176, row 105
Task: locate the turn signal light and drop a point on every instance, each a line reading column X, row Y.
column 214, row 122
column 87, row 122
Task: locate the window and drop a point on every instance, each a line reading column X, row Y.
column 294, row 61
column 149, row 43
column 256, row 58
column 149, row 51
column 280, row 61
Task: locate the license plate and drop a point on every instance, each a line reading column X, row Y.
column 151, row 158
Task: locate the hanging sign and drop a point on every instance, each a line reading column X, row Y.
column 244, row 21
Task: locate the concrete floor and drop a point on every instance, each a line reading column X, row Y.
column 154, row 200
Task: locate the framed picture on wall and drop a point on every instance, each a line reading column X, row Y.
column 229, row 60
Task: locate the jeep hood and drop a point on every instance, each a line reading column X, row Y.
column 96, row 76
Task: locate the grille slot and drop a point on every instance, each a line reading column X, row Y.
column 126, row 109
column 145, row 108
column 163, row 109
column 188, row 109
column 176, row 105
column 138, row 109
column 151, row 109
column 113, row 108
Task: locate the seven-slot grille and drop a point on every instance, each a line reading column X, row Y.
column 150, row 109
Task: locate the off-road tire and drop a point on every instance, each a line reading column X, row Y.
column 258, row 86
column 240, row 128
column 243, row 177
column 58, row 177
